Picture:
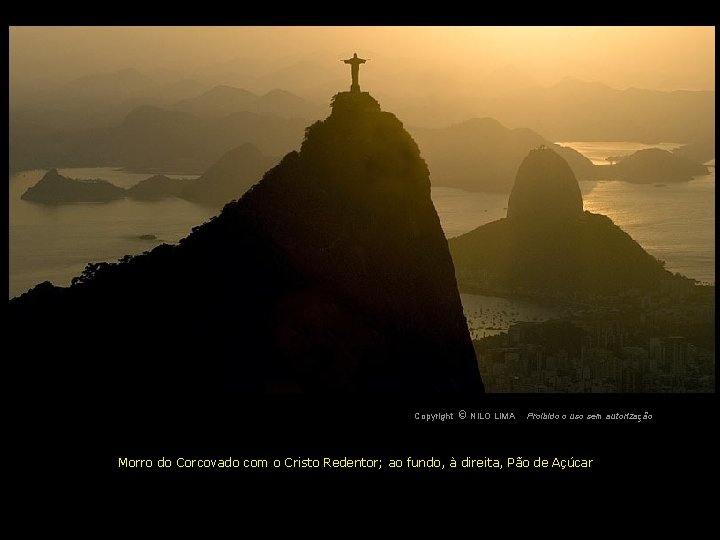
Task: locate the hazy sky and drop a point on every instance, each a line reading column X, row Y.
column 653, row 57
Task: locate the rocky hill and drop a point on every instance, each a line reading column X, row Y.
column 53, row 188
column 332, row 273
column 653, row 165
column 547, row 245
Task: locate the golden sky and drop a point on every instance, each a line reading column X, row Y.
column 666, row 58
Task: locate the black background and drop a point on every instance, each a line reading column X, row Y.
column 77, row 440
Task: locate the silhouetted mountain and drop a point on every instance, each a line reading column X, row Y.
column 230, row 177
column 54, row 188
column 297, row 77
column 56, row 126
column 483, row 155
column 47, row 138
column 288, row 105
column 575, row 110
column 165, row 94
column 548, row 246
column 121, row 82
column 219, row 101
column 152, row 138
column 158, row 187
column 653, row 165
column 699, row 151
column 236, row 72
column 156, row 139
column 224, row 100
column 103, row 97
column 331, row 273
column 545, row 189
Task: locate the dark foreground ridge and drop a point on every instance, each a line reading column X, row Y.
column 548, row 246
column 331, row 273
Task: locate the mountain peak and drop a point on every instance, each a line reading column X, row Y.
column 545, row 188
column 547, row 245
column 331, row 273
column 353, row 102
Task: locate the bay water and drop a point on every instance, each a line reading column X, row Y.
column 674, row 222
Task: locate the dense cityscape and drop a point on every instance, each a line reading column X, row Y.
column 659, row 342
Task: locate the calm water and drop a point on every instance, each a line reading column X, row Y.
column 675, row 223
column 55, row 243
column 598, row 152
column 490, row 315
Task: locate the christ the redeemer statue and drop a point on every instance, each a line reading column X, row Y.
column 355, row 71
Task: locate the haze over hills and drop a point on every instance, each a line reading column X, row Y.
column 548, row 246
column 575, row 110
column 225, row 100
column 83, row 122
column 312, row 79
column 124, row 82
column 230, row 177
column 332, row 273
column 227, row 179
column 51, row 123
column 697, row 150
column 52, row 119
column 483, row 155
column 91, row 120
column 157, row 187
column 115, row 93
column 156, row 139
column 109, row 88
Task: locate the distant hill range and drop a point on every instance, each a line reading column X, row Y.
column 187, row 136
column 230, row 177
column 332, row 274
column 483, row 155
column 575, row 110
column 158, row 122
column 699, row 151
column 157, row 187
column 227, row 179
column 161, row 139
column 548, row 246
column 236, row 171
column 225, row 100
